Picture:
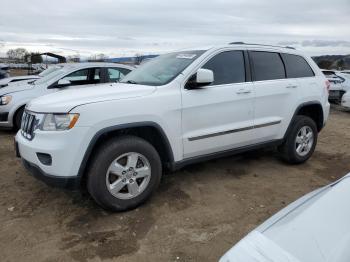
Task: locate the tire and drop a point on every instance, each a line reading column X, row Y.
column 111, row 161
column 18, row 118
column 292, row 151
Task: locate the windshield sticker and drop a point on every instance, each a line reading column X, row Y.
column 186, row 56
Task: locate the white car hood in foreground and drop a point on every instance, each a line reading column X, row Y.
column 315, row 228
column 66, row 100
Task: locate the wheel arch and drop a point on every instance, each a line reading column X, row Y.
column 312, row 109
column 150, row 131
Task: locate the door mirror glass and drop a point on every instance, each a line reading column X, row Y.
column 202, row 78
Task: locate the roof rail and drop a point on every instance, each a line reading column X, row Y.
column 242, row 43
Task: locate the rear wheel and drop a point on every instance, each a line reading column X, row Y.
column 124, row 173
column 301, row 141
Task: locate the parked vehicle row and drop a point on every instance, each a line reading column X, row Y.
column 339, row 84
column 177, row 109
column 14, row 97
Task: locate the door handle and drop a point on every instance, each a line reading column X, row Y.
column 291, row 86
column 243, row 91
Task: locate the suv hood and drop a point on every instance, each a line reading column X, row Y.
column 16, row 87
column 65, row 100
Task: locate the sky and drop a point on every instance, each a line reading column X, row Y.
column 127, row 27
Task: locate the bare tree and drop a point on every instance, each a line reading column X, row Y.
column 138, row 59
column 98, row 58
column 17, row 54
column 74, row 58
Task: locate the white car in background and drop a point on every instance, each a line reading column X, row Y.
column 14, row 97
column 9, row 80
column 339, row 84
column 315, row 228
column 345, row 102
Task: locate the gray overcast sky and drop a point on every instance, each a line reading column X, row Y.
column 126, row 27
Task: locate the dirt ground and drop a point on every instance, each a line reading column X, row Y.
column 18, row 72
column 197, row 213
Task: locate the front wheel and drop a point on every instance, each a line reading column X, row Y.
column 18, row 118
column 124, row 173
column 301, row 141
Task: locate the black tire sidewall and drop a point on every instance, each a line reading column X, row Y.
column 291, row 153
column 18, row 118
column 107, row 153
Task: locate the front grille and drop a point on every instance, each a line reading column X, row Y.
column 28, row 125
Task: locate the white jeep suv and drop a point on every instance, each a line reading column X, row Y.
column 14, row 97
column 175, row 110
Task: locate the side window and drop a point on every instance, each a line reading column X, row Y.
column 267, row 65
column 296, row 66
column 77, row 76
column 228, row 67
column 116, row 74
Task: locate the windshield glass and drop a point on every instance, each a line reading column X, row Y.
column 49, row 70
column 50, row 76
column 163, row 69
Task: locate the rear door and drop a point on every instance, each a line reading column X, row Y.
column 219, row 117
column 275, row 95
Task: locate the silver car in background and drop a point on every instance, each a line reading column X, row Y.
column 14, row 97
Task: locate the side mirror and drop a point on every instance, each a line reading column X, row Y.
column 205, row 76
column 202, row 78
column 63, row 83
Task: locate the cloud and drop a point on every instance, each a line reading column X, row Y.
column 325, row 43
column 125, row 27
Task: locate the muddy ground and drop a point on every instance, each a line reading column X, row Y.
column 196, row 215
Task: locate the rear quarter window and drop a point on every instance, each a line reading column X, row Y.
column 296, row 66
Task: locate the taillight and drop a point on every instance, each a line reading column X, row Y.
column 328, row 85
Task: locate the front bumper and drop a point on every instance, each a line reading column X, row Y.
column 66, row 150
column 4, row 120
column 55, row 181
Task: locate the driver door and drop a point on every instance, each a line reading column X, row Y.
column 219, row 116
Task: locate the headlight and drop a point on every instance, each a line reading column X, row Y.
column 4, row 100
column 58, row 122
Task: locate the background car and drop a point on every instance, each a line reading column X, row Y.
column 14, row 97
column 315, row 228
column 345, row 102
column 339, row 84
column 8, row 80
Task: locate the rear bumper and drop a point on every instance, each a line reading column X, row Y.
column 72, row 183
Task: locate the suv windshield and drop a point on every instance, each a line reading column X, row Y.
column 163, row 69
